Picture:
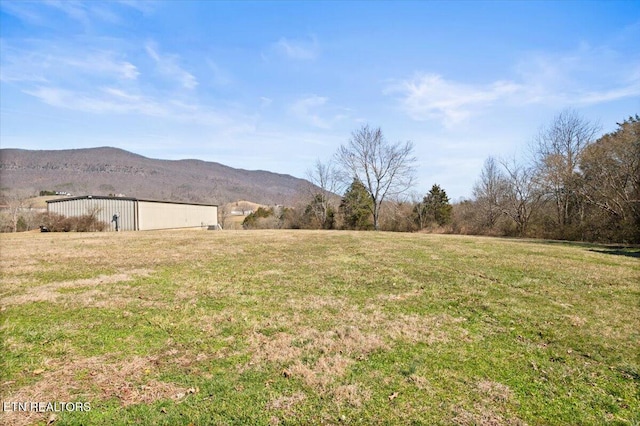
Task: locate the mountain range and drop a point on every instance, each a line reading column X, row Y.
column 106, row 170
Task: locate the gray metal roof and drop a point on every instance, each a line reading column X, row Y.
column 105, row 197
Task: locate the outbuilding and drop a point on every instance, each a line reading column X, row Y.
column 133, row 214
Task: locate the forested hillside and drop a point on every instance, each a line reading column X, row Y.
column 104, row 171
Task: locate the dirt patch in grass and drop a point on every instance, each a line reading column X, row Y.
column 88, row 379
column 52, row 292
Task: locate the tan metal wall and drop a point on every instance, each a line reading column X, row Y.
column 106, row 208
column 158, row 215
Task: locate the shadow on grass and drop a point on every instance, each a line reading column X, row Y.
column 619, row 251
column 616, row 250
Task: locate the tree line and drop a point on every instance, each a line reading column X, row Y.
column 574, row 185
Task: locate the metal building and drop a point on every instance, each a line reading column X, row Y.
column 134, row 214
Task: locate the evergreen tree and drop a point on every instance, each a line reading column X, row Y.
column 357, row 207
column 434, row 208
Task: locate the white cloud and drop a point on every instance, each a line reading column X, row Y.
column 85, row 13
column 429, row 96
column 103, row 62
column 315, row 111
column 168, row 65
column 586, row 76
column 110, row 100
column 73, row 9
column 219, row 76
column 23, row 11
column 305, row 110
column 107, row 100
column 308, row 49
column 51, row 62
column 265, row 102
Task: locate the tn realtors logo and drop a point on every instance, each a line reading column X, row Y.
column 45, row 407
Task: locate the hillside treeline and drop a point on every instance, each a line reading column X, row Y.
column 574, row 186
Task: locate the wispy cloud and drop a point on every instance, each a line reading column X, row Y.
column 112, row 100
column 105, row 63
column 73, row 9
column 219, row 76
column 430, row 96
column 170, row 67
column 50, row 62
column 583, row 77
column 586, row 76
column 265, row 102
column 299, row 49
column 315, row 111
column 24, row 11
column 106, row 100
column 85, row 13
column 306, row 110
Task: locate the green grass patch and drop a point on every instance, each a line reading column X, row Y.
column 307, row 327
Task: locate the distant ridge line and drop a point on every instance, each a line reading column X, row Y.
column 109, row 170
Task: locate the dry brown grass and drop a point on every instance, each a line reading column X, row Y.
column 320, row 358
column 90, row 291
column 321, row 373
column 352, row 394
column 86, row 379
column 482, row 416
column 400, row 297
column 286, row 403
column 494, row 391
column 490, row 409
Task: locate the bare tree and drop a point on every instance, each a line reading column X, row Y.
column 419, row 214
column 610, row 170
column 522, row 196
column 18, row 205
column 397, row 214
column 224, row 213
column 557, row 150
column 323, row 185
column 244, row 207
column 489, row 192
column 384, row 169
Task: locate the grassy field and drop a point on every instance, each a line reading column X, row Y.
column 304, row 327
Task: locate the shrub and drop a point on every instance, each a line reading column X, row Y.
column 85, row 223
column 260, row 219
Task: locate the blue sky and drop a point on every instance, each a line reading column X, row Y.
column 276, row 85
